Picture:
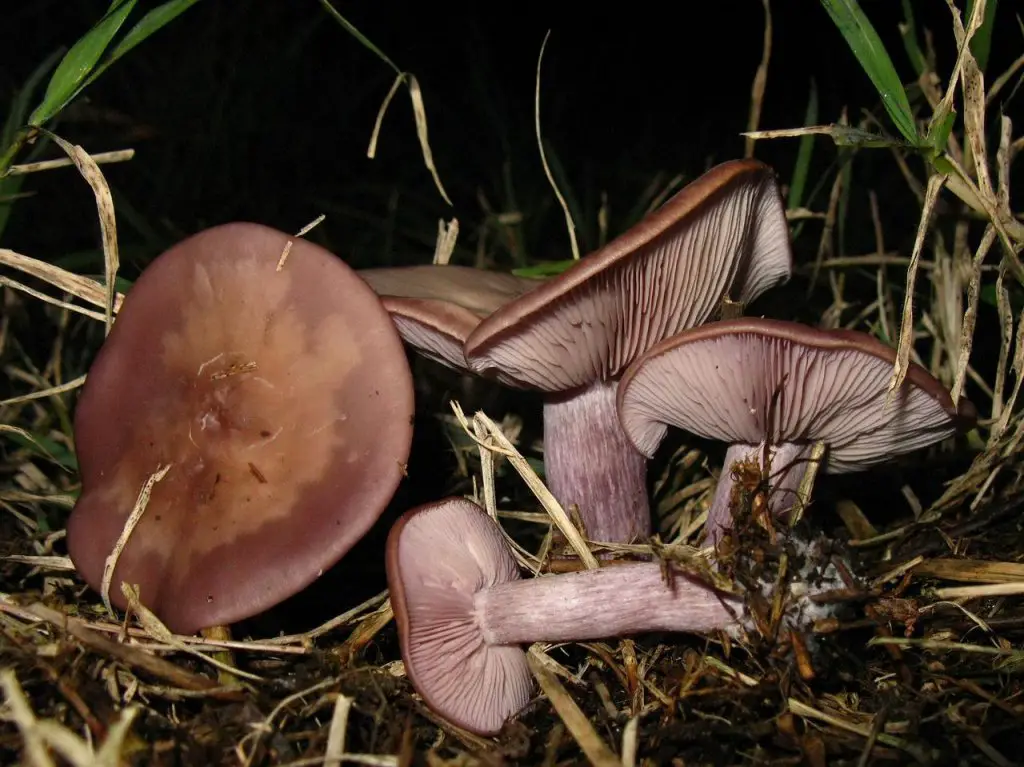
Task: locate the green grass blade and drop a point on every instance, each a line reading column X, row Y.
column 803, row 156
column 363, row 39
column 874, row 60
column 908, row 31
column 545, row 268
column 79, row 62
column 152, row 22
column 561, row 181
column 981, row 42
column 10, row 186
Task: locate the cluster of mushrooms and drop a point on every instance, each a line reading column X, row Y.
column 263, row 406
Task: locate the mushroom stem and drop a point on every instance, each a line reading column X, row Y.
column 589, row 461
column 599, row 603
column 788, row 464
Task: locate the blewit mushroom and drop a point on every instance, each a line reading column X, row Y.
column 280, row 397
column 724, row 236
column 462, row 610
column 751, row 381
column 436, row 306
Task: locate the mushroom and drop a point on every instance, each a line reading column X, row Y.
column 436, row 306
column 279, row 397
column 462, row 610
column 773, row 389
column 724, row 236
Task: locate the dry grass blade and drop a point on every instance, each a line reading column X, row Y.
column 496, row 440
column 971, row 570
column 973, row 87
column 570, row 225
column 447, row 236
column 335, row 749
column 100, row 158
column 156, row 629
column 971, row 313
column 571, row 715
column 44, row 393
column 729, row 671
column 25, row 719
column 108, row 224
column 39, row 295
column 48, row 563
column 40, row 734
column 130, row 656
column 977, row 592
column 110, row 564
column 526, row 560
column 265, row 727
column 865, row 731
column 944, row 646
column 935, row 184
column 419, row 111
column 630, row 741
column 348, row 617
column 81, row 287
column 806, row 488
column 760, row 81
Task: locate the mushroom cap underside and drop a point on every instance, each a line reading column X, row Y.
column 281, row 400
column 438, row 557
column 436, row 306
column 747, row 380
column 722, row 236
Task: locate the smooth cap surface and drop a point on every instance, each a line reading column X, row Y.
column 719, row 380
column 438, row 557
column 281, row 400
column 435, row 307
column 722, row 236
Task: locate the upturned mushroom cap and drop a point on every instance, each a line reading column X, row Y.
column 282, row 401
column 438, row 557
column 718, row 381
column 436, row 306
column 722, row 236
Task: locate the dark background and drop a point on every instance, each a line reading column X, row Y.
column 263, row 111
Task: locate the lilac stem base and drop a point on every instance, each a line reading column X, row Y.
column 788, row 466
column 595, row 604
column 589, row 461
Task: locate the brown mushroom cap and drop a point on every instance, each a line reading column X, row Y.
column 436, row 306
column 722, row 236
column 282, row 401
column 718, row 381
column 439, row 556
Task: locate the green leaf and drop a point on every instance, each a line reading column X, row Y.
column 79, row 62
column 152, row 22
column 363, row 39
column 981, row 41
column 939, row 129
column 545, row 268
column 875, row 61
column 43, row 446
column 908, row 31
column 803, row 155
column 12, row 137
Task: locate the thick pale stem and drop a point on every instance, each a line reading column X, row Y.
column 589, row 461
column 788, row 466
column 607, row 602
